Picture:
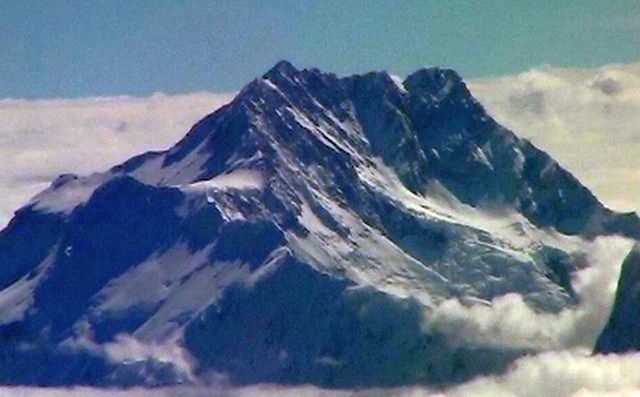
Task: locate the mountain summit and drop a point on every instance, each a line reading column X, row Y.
column 303, row 233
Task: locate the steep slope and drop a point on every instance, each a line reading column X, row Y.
column 299, row 234
column 622, row 332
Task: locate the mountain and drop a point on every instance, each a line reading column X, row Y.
column 622, row 332
column 303, row 233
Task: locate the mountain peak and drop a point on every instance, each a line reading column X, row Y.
column 251, row 234
column 281, row 68
column 435, row 81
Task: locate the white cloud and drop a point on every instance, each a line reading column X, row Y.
column 551, row 374
column 127, row 348
column 510, row 322
column 179, row 391
column 587, row 119
column 40, row 139
column 559, row 374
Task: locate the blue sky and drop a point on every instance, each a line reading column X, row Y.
column 83, row 48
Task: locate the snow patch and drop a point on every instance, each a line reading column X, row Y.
column 398, row 83
column 241, row 179
column 66, row 197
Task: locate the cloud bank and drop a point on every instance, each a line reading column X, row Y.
column 559, row 374
column 40, row 139
column 552, row 374
column 587, row 119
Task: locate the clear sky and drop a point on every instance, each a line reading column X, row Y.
column 70, row 48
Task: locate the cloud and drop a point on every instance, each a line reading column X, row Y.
column 559, row 374
column 551, row 374
column 128, row 348
column 179, row 391
column 510, row 322
column 587, row 119
column 40, row 139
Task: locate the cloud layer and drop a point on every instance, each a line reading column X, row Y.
column 552, row 374
column 559, row 374
column 587, row 119
column 40, row 139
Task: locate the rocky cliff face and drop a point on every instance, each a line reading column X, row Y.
column 299, row 234
column 622, row 332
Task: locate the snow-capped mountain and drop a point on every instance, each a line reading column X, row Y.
column 301, row 233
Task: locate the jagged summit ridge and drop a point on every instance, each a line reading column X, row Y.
column 429, row 127
column 350, row 194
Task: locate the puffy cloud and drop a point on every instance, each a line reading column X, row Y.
column 587, row 119
column 510, row 322
column 40, row 139
column 559, row 374
column 127, row 348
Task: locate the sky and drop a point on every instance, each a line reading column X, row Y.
column 70, row 48
column 85, row 85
